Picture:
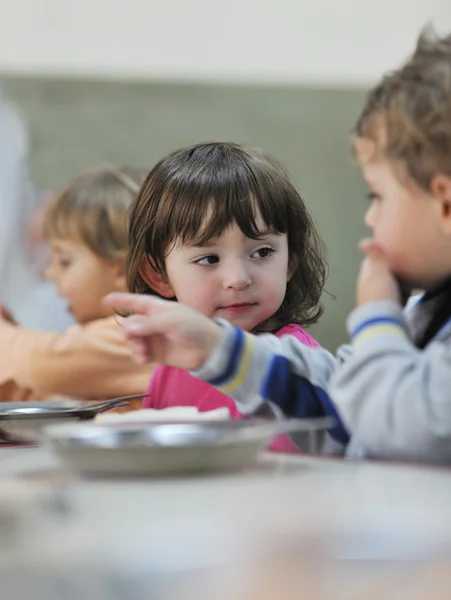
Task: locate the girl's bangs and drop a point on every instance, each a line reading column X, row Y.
column 210, row 214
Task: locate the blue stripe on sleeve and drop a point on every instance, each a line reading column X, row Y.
column 234, row 361
column 339, row 432
column 299, row 398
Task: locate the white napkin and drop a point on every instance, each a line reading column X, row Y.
column 173, row 413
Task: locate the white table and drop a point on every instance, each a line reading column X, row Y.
column 126, row 536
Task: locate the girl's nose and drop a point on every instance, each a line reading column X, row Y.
column 236, row 276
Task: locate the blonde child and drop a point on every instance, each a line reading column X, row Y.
column 86, row 228
column 220, row 227
column 391, row 385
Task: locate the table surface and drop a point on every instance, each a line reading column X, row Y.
column 381, row 513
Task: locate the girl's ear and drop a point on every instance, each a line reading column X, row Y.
column 293, row 264
column 155, row 280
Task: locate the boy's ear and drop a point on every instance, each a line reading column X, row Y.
column 441, row 190
column 155, row 280
column 120, row 279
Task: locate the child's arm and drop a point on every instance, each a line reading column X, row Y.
column 248, row 368
column 88, row 361
column 283, row 371
column 394, row 397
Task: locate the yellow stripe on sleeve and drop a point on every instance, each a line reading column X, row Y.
column 378, row 331
column 243, row 368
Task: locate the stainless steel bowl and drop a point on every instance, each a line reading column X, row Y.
column 23, row 421
column 162, row 448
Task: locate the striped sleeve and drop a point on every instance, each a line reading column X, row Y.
column 393, row 396
column 280, row 371
column 368, row 330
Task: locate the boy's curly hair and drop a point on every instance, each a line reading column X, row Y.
column 408, row 115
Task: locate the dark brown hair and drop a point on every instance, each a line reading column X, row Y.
column 194, row 194
column 94, row 209
column 408, row 115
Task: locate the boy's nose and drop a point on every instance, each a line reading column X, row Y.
column 49, row 272
column 369, row 217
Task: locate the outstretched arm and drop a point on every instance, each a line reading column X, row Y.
column 251, row 369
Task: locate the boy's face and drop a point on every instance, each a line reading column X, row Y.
column 83, row 278
column 405, row 224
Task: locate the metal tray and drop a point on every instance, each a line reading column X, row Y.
column 167, row 448
column 23, row 421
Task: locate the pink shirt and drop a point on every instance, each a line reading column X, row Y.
column 171, row 386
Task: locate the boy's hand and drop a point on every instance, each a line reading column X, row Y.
column 165, row 331
column 376, row 281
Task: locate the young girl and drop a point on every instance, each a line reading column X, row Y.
column 220, row 227
column 86, row 227
column 391, row 386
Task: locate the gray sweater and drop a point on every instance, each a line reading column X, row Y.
column 389, row 395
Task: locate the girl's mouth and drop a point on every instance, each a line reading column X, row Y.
column 238, row 307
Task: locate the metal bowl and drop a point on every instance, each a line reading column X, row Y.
column 164, row 448
column 23, row 421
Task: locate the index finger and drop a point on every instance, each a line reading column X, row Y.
column 137, row 303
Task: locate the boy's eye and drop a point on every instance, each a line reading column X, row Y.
column 64, row 262
column 211, row 259
column 372, row 196
column 263, row 252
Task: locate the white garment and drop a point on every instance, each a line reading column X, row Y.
column 33, row 302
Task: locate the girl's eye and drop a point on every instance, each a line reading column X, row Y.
column 64, row 262
column 211, row 259
column 263, row 252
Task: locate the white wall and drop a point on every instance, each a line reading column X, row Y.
column 322, row 41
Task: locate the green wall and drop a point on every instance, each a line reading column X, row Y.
column 75, row 123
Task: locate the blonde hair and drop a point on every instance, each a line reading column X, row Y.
column 94, row 209
column 407, row 117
